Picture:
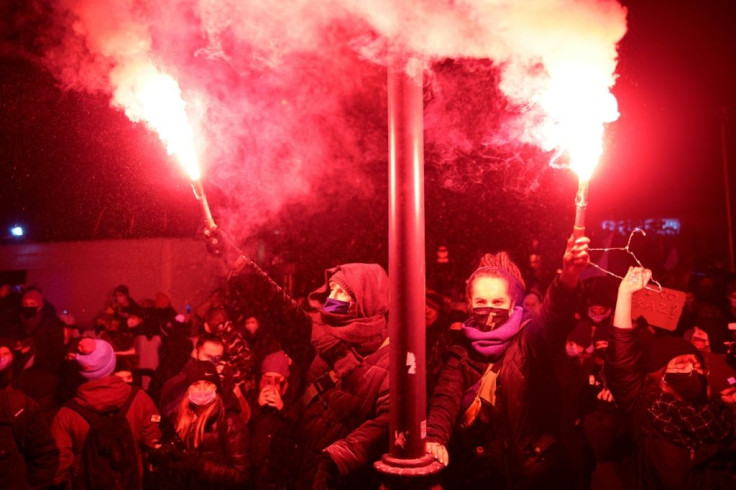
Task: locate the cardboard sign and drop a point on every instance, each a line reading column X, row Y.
column 661, row 310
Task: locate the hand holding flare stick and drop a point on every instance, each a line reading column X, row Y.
column 221, row 243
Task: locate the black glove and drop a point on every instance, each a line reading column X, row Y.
column 215, row 241
column 327, row 473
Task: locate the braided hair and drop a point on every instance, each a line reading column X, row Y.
column 501, row 266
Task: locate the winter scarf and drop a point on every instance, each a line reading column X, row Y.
column 343, row 340
column 493, row 344
column 687, row 426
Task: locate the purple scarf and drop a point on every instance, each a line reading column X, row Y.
column 493, row 344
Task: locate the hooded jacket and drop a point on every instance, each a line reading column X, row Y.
column 104, row 394
column 349, row 421
column 347, row 414
column 28, row 454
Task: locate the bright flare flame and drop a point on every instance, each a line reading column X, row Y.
column 578, row 103
column 147, row 94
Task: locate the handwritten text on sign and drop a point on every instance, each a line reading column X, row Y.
column 661, row 310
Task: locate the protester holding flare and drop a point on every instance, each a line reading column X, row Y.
column 683, row 438
column 345, row 401
column 498, row 383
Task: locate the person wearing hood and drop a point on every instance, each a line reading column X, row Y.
column 102, row 392
column 343, row 350
column 28, row 453
column 495, row 406
column 684, row 439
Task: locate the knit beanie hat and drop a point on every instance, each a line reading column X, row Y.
column 276, row 362
column 202, row 371
column 96, row 358
column 339, row 278
column 666, row 348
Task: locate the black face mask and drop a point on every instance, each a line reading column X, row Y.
column 28, row 312
column 487, row 318
column 692, row 387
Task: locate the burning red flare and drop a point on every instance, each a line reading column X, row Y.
column 147, row 94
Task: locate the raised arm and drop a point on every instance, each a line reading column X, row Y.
column 636, row 279
column 291, row 325
column 556, row 318
column 624, row 375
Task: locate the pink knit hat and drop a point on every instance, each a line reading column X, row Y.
column 96, row 358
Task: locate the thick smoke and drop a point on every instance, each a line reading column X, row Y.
column 287, row 97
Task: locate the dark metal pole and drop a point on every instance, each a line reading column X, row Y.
column 407, row 430
column 727, row 184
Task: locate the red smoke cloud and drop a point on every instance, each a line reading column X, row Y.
column 287, row 95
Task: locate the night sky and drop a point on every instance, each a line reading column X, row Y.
column 76, row 169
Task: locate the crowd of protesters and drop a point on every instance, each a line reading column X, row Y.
column 532, row 382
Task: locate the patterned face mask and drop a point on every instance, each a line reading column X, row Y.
column 692, row 386
column 487, row 318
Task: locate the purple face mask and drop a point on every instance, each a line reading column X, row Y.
column 487, row 318
column 336, row 306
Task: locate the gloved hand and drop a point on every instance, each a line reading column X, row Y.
column 215, row 241
column 327, row 473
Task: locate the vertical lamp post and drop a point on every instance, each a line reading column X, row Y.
column 727, row 185
column 406, row 459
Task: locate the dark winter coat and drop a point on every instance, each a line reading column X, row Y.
column 517, row 441
column 658, row 463
column 45, row 334
column 222, row 459
column 70, row 429
column 350, row 420
column 347, row 420
column 28, row 453
column 275, row 451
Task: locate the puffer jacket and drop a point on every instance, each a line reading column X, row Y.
column 516, row 442
column 28, row 453
column 222, row 458
column 104, row 394
column 350, row 420
column 657, row 462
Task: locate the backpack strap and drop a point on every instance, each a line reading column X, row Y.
column 133, row 392
column 7, row 417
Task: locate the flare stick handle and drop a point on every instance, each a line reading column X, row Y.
column 581, row 203
column 209, row 221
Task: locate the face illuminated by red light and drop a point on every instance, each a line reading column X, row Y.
column 338, row 292
column 491, row 291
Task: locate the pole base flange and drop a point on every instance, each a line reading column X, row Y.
column 424, row 466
